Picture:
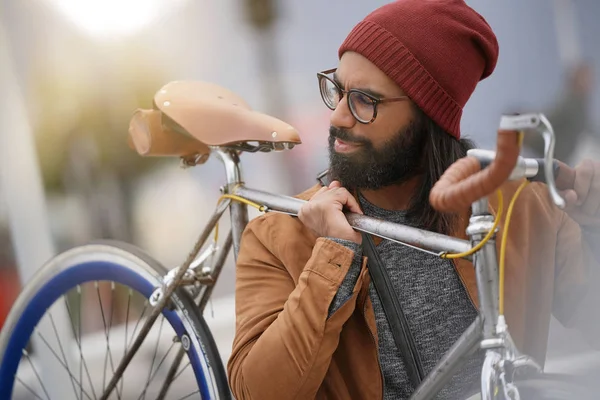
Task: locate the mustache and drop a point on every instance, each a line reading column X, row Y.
column 344, row 135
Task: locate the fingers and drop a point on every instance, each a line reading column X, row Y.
column 570, row 197
column 346, row 199
column 352, row 204
column 322, row 214
column 591, row 203
column 583, row 180
column 583, row 201
column 566, row 176
column 341, row 195
column 322, row 190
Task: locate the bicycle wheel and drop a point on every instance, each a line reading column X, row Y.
column 84, row 273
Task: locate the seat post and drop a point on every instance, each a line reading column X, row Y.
column 238, row 211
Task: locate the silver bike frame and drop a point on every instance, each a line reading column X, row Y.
column 489, row 331
column 481, row 334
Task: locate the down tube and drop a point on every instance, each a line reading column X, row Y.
column 452, row 361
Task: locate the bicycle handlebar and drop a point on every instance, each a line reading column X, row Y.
column 466, row 181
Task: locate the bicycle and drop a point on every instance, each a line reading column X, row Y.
column 223, row 125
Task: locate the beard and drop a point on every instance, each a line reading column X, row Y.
column 398, row 160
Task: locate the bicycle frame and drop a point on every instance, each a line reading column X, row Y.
column 483, row 332
column 488, row 332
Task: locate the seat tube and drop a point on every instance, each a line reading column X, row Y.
column 486, row 266
column 238, row 211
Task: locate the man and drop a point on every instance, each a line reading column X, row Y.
column 309, row 322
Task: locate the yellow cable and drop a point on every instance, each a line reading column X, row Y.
column 486, row 238
column 216, row 238
column 503, row 245
column 520, row 138
column 241, row 200
column 502, row 262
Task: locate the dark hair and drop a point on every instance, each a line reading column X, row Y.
column 440, row 150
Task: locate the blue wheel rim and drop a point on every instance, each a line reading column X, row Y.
column 59, row 285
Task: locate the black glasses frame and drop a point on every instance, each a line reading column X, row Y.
column 376, row 100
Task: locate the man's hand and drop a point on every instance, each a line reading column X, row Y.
column 583, row 200
column 323, row 213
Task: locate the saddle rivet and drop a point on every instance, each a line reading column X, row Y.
column 167, row 103
column 274, row 134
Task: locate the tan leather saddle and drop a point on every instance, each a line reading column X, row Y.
column 190, row 117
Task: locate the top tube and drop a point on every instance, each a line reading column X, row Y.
column 426, row 240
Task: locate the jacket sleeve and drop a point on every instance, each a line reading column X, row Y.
column 284, row 339
column 346, row 288
column 577, row 280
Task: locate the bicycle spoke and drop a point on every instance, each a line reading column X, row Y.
column 81, row 359
column 130, row 293
column 139, row 319
column 112, row 311
column 77, row 340
column 36, row 373
column 157, row 368
column 62, row 352
column 28, row 388
column 170, row 374
column 162, row 320
column 61, row 363
column 182, row 369
column 146, row 303
column 108, row 355
column 103, row 323
column 189, row 395
column 162, row 360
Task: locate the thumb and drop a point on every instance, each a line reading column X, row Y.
column 335, row 184
column 570, row 197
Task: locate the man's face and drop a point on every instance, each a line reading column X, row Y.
column 387, row 151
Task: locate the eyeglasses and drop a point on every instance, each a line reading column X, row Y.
column 362, row 105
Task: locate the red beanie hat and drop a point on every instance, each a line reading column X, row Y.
column 435, row 50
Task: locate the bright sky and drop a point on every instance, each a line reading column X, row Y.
column 104, row 19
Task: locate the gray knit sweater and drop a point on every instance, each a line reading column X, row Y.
column 434, row 301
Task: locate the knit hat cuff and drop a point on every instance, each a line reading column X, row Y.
column 389, row 54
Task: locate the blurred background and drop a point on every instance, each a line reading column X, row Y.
column 73, row 71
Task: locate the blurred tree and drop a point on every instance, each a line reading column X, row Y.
column 262, row 16
column 69, row 111
column 81, row 103
column 81, row 118
column 261, row 13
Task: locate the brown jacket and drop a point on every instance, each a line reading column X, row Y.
column 285, row 347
